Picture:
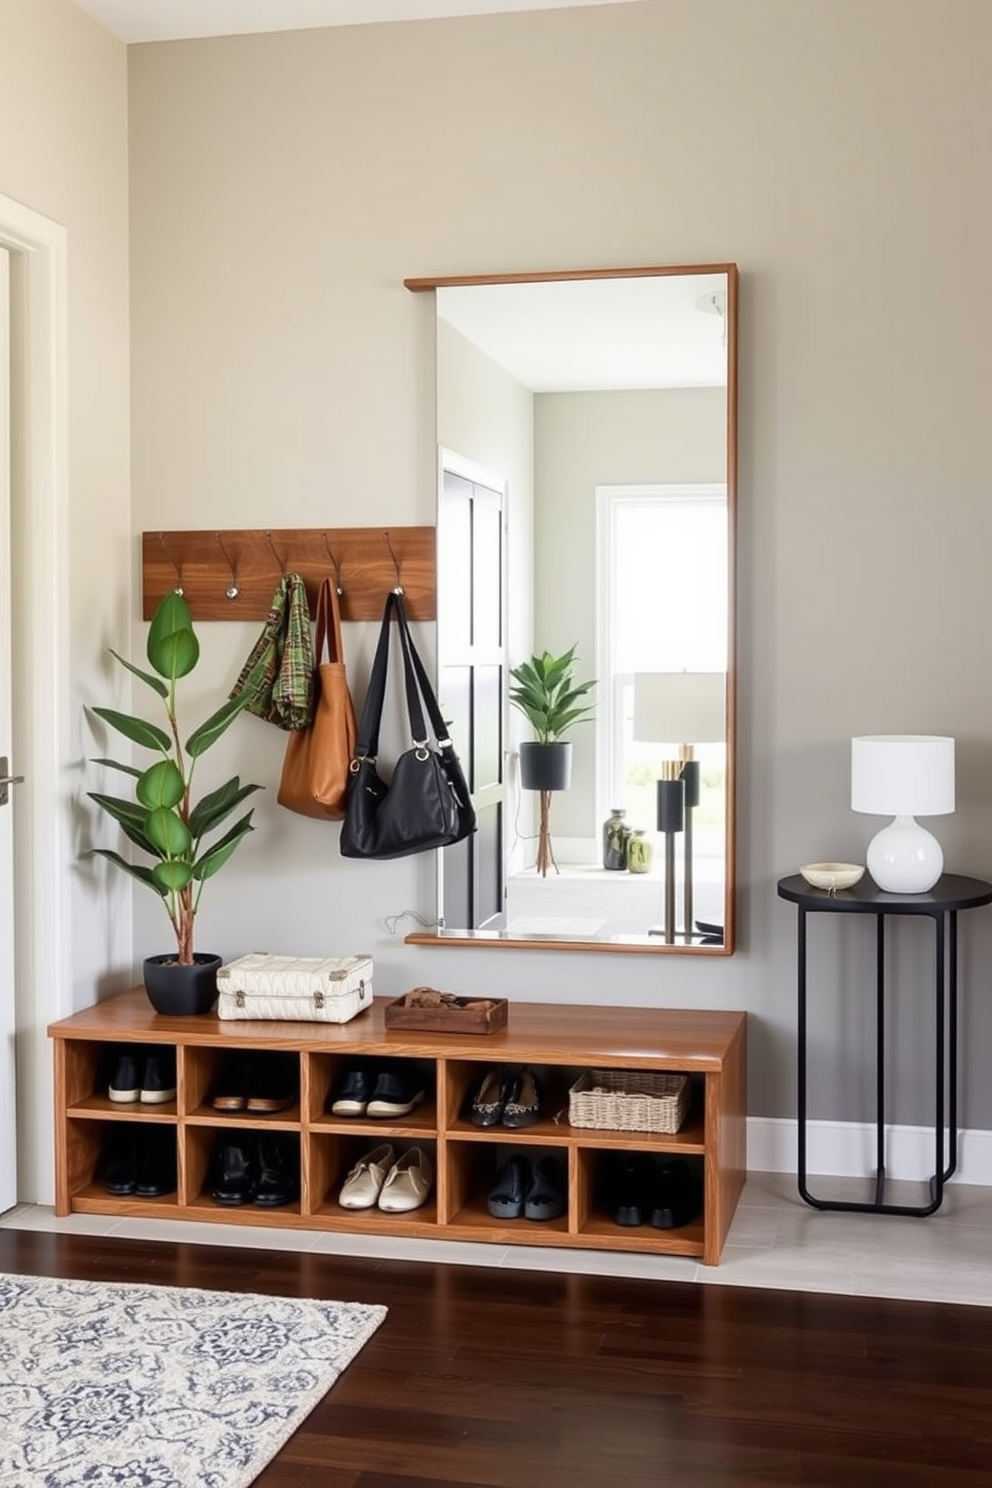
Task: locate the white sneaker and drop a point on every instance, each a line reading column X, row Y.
column 363, row 1184
column 408, row 1182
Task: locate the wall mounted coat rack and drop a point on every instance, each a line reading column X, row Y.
column 232, row 575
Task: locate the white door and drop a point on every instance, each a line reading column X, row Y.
column 8, row 1147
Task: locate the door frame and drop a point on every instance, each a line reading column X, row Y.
column 39, row 497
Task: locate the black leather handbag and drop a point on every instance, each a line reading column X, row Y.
column 427, row 803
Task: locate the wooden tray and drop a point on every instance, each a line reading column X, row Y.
column 451, row 1015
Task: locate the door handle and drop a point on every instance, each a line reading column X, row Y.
column 7, row 780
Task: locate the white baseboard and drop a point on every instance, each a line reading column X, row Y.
column 847, row 1149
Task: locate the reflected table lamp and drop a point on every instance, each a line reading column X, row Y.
column 903, row 776
column 683, row 708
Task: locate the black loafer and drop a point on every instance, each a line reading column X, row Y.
column 395, row 1093
column 523, row 1104
column 158, row 1080
column 230, row 1089
column 489, row 1099
column 125, row 1082
column 632, row 1186
column 350, row 1097
column 677, row 1198
column 547, row 1196
column 275, row 1082
column 508, row 1193
column 233, row 1177
column 278, row 1173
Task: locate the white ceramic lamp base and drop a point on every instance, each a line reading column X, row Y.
column 904, row 858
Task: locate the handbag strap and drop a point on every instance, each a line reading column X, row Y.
column 423, row 681
column 416, row 683
column 328, row 625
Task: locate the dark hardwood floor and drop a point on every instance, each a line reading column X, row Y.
column 527, row 1380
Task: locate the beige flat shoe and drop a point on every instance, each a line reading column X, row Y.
column 361, row 1188
column 408, row 1182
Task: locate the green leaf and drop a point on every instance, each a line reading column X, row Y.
column 116, row 765
column 162, row 785
column 168, row 832
column 136, row 870
column 147, row 677
column 218, row 723
column 216, row 856
column 121, row 810
column 171, row 614
column 176, row 654
column 218, row 804
column 149, row 735
column 173, row 875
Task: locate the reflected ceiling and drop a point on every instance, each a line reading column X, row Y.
column 175, row 20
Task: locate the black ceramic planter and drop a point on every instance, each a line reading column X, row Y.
column 181, row 991
column 546, row 767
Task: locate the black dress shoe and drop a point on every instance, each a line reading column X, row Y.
column 547, row 1196
column 678, row 1196
column 395, row 1093
column 486, row 1108
column 158, row 1079
column 507, row 1195
column 156, row 1162
column 233, row 1083
column 275, row 1082
column 120, row 1166
column 523, row 1104
column 233, row 1176
column 278, row 1172
column 350, row 1096
column 631, row 1189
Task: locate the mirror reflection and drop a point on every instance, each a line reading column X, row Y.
column 586, row 430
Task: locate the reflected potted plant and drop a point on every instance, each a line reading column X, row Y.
column 551, row 700
column 162, row 820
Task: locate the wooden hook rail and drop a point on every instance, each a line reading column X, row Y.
column 232, row 575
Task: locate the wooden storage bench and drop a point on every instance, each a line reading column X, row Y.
column 560, row 1041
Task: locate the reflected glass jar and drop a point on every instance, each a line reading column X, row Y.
column 640, row 852
column 615, row 836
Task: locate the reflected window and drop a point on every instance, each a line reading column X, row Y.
column 662, row 564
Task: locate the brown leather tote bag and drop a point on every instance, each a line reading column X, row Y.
column 315, row 767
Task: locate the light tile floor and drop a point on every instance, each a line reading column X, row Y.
column 776, row 1240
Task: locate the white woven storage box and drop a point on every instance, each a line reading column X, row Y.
column 629, row 1100
column 306, row 989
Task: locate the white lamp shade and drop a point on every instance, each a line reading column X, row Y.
column 680, row 707
column 902, row 774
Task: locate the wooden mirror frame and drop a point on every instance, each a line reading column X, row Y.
column 641, row 945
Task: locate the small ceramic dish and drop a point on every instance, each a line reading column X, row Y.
column 832, row 876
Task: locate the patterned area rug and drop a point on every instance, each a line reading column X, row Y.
column 121, row 1386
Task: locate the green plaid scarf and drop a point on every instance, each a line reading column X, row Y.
column 278, row 674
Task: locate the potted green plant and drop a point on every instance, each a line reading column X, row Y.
column 162, row 820
column 550, row 698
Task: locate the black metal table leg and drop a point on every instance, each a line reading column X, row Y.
column 941, row 905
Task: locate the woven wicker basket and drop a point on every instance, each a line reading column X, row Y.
column 629, row 1100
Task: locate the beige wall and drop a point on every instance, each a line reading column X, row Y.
column 63, row 154
column 282, row 187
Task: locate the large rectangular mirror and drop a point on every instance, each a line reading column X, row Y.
column 586, row 433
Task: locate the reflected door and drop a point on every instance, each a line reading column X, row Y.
column 470, row 684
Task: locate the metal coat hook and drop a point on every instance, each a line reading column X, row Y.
column 334, row 564
column 282, row 566
column 396, row 565
column 232, row 591
column 178, row 589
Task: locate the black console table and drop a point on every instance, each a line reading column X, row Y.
column 941, row 904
